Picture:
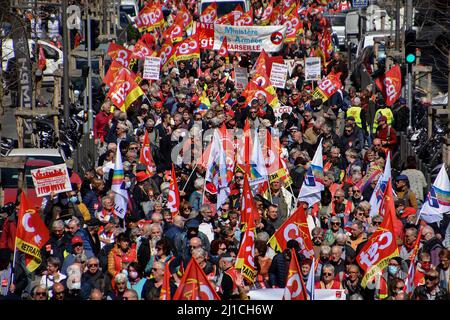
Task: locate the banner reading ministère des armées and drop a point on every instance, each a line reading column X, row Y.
column 250, row 38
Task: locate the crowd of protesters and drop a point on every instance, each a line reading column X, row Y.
column 94, row 255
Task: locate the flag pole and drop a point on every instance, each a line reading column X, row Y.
column 189, row 178
column 13, row 268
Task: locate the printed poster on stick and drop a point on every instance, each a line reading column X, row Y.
column 312, row 69
column 278, row 75
column 51, row 179
column 151, row 68
column 241, row 78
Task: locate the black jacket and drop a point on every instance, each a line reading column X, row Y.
column 278, row 271
column 420, row 293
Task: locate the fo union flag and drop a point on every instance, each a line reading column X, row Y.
column 31, row 234
column 382, row 245
column 390, row 85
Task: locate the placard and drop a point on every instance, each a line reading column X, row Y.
column 279, row 111
column 152, row 66
column 278, row 75
column 241, row 78
column 329, row 294
column 312, row 69
column 51, row 179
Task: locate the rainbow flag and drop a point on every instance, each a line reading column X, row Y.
column 120, row 194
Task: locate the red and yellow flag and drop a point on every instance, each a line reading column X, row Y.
column 150, row 17
column 228, row 18
column 185, row 16
column 188, row 49
column 165, row 289
column 141, row 50
column 174, row 32
column 120, row 54
column 167, row 53
column 31, row 234
column 295, row 286
column 173, row 198
column 293, row 26
column 209, row 15
column 267, row 14
column 295, row 227
column 194, row 285
column 124, row 91
column 145, row 156
column 223, row 51
column 382, row 244
column 390, row 85
column 245, row 20
column 113, row 72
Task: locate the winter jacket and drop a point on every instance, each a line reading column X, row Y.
column 421, row 293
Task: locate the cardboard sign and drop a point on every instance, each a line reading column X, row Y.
column 279, row 111
column 249, row 38
column 329, row 294
column 241, row 78
column 278, row 75
column 152, row 66
column 51, row 179
column 312, row 69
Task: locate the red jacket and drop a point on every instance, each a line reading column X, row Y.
column 100, row 122
column 387, row 134
column 8, row 236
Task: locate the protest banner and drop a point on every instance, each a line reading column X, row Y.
column 51, row 179
column 241, row 78
column 250, row 38
column 151, row 68
column 278, row 75
column 205, row 33
column 329, row 294
column 279, row 111
column 312, row 69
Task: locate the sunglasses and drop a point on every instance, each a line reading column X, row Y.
column 192, row 247
column 40, row 294
column 328, row 274
column 133, row 148
column 428, row 278
column 238, row 177
column 377, row 145
column 223, row 248
column 155, row 269
column 92, row 265
column 376, row 223
column 59, row 293
column 336, row 223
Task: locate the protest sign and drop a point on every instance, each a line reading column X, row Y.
column 312, row 69
column 241, row 78
column 205, row 33
column 329, row 294
column 278, row 75
column 51, row 179
column 151, row 68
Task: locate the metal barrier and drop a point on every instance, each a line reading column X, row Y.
column 406, row 150
column 86, row 154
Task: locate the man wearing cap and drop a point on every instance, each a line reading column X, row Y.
column 359, row 114
column 182, row 241
column 384, row 110
column 78, row 249
column 404, row 193
column 386, row 133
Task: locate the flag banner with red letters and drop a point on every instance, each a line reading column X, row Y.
column 124, row 91
column 150, row 17
column 194, row 284
column 295, row 227
column 120, row 54
column 390, row 85
column 51, row 179
column 295, row 286
column 382, row 244
column 31, row 234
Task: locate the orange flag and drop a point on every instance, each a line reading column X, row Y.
column 120, row 54
column 31, row 234
column 165, row 289
column 295, row 227
column 188, row 49
column 124, row 91
column 145, row 156
column 209, row 15
column 382, row 244
column 195, row 285
column 173, row 198
column 295, row 286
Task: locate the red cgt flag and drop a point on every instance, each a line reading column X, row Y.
column 173, row 198
column 167, row 53
column 223, row 51
column 295, row 227
column 188, row 49
column 165, row 289
column 267, row 14
column 209, row 15
column 150, row 17
column 145, row 156
column 124, row 91
column 120, row 54
column 141, row 50
column 390, row 85
column 382, row 244
column 195, row 285
column 174, row 32
column 113, row 72
column 31, row 234
column 245, row 20
column 295, row 286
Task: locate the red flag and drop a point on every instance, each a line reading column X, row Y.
column 245, row 20
column 150, row 17
column 174, row 32
column 382, row 244
column 41, row 61
column 252, row 90
column 228, row 18
column 188, row 49
column 167, row 53
column 267, row 14
column 223, row 51
column 165, row 288
column 31, row 234
column 295, row 227
column 124, row 91
column 141, row 50
column 185, row 16
column 246, row 255
column 209, row 15
column 411, row 279
column 194, row 285
column 295, row 286
column 288, row 6
column 327, row 87
column 113, row 72
column 390, row 85
column 145, row 156
column 120, row 54
column 205, row 33
column 173, row 199
column 293, row 25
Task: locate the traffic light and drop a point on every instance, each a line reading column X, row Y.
column 410, row 46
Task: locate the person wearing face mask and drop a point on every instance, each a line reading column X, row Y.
column 393, row 272
column 431, row 244
column 136, row 281
column 423, row 266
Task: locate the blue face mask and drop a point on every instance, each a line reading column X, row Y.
column 392, row 270
column 73, row 199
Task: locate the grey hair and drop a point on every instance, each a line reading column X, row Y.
column 325, row 249
column 199, row 252
column 81, row 258
column 156, row 225
column 121, row 277
column 198, row 183
column 57, row 223
column 328, row 267
column 263, row 236
column 76, row 221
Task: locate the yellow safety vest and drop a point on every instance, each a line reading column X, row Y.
column 382, row 112
column 355, row 112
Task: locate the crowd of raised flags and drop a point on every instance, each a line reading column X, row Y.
column 257, row 154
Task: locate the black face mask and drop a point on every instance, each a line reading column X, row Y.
column 192, row 233
column 339, row 207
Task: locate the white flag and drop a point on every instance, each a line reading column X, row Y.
column 378, row 192
column 120, row 195
column 312, row 187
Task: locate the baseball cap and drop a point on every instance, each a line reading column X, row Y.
column 382, row 118
column 76, row 239
column 402, row 177
column 192, row 224
column 158, row 105
column 142, row 176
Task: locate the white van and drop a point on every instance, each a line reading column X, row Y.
column 53, row 56
column 224, row 6
column 130, row 8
